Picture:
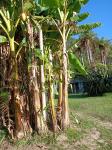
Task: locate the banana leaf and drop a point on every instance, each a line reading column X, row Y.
column 76, row 64
column 3, row 39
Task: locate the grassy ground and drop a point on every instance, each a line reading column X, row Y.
column 100, row 107
column 95, row 121
column 90, row 128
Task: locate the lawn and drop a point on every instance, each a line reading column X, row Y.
column 93, row 116
column 99, row 107
column 90, row 128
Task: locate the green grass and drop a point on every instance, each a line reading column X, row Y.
column 73, row 134
column 3, row 134
column 106, row 135
column 86, row 110
column 100, row 107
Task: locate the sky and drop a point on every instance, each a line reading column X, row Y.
column 100, row 11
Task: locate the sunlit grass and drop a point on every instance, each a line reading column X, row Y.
column 100, row 107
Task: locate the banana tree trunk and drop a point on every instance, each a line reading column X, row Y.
column 51, row 97
column 35, row 105
column 59, row 108
column 16, row 101
column 42, row 83
column 36, row 101
column 65, row 111
column 3, row 67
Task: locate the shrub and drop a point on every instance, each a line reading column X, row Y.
column 99, row 80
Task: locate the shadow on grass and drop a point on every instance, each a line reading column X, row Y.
column 82, row 96
column 74, row 96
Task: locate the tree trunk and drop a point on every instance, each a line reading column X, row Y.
column 59, row 108
column 81, row 57
column 89, row 52
column 36, row 101
column 103, row 57
column 51, row 98
column 42, row 82
column 16, row 100
column 65, row 111
column 35, row 105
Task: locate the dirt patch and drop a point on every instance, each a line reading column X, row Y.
column 90, row 139
column 106, row 124
column 62, row 138
column 62, row 141
column 7, row 146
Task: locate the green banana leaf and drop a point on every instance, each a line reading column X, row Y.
column 3, row 39
column 76, row 64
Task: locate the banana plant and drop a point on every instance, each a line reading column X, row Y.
column 10, row 17
column 34, row 23
column 39, row 21
column 65, row 17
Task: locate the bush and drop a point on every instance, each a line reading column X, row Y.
column 99, row 80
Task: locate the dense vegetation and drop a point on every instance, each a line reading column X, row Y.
column 96, row 56
column 34, row 56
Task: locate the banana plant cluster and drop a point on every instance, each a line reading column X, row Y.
column 37, row 32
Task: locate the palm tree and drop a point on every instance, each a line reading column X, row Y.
column 104, row 48
column 88, row 43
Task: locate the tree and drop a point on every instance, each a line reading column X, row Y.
column 88, row 45
column 104, row 46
